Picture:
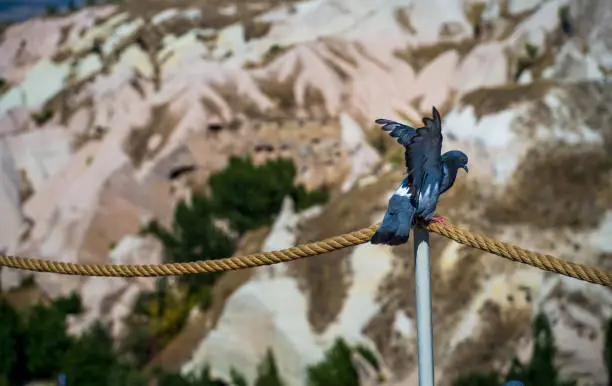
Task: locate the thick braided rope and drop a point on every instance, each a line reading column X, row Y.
column 446, row 229
column 518, row 254
column 203, row 266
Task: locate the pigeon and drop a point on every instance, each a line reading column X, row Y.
column 400, row 215
column 423, row 149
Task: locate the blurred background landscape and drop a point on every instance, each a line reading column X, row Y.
column 150, row 131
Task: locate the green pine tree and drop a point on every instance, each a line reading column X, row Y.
column 45, row 341
column 267, row 372
column 608, row 350
column 90, row 360
column 336, row 369
column 12, row 356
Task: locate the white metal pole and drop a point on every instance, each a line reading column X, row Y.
column 422, row 279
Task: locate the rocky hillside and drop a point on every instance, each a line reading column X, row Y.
column 99, row 107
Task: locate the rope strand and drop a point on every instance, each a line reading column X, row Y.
column 446, row 229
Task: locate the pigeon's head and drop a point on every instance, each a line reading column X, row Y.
column 456, row 159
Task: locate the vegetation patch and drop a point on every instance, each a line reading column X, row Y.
column 337, row 367
column 42, row 117
column 267, row 184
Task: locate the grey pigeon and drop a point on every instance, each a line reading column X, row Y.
column 429, row 175
column 400, row 215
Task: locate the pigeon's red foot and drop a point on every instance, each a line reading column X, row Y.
column 438, row 219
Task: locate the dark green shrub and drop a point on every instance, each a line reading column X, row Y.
column 478, row 379
column 249, row 196
column 46, row 340
column 176, row 379
column 336, row 369
column 267, row 372
column 12, row 356
column 69, row 305
column 89, row 359
column 608, row 350
column 304, row 199
column 42, row 117
column 237, row 378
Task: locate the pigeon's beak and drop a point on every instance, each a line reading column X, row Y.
column 465, row 167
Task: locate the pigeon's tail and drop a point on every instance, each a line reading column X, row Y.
column 396, row 225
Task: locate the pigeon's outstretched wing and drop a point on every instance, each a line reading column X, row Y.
column 403, row 133
column 423, row 150
column 423, row 159
column 399, row 218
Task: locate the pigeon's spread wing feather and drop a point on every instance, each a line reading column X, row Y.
column 398, row 220
column 423, row 159
column 423, row 148
column 403, row 133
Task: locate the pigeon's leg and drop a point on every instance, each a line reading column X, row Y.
column 438, row 219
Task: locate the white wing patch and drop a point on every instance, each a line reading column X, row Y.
column 403, row 191
column 427, row 191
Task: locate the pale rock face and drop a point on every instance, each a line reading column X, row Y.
column 108, row 301
column 497, row 289
column 578, row 325
column 10, row 202
column 484, row 66
column 597, row 239
column 534, row 29
column 93, row 197
column 15, row 120
column 270, row 304
column 573, row 65
column 283, row 231
column 134, row 249
column 429, row 17
column 274, row 306
column 12, row 225
column 363, row 156
column 27, row 43
column 41, row 153
column 94, row 292
column 435, row 79
column 495, row 134
column 589, row 53
column 370, row 265
column 518, row 6
column 41, row 83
